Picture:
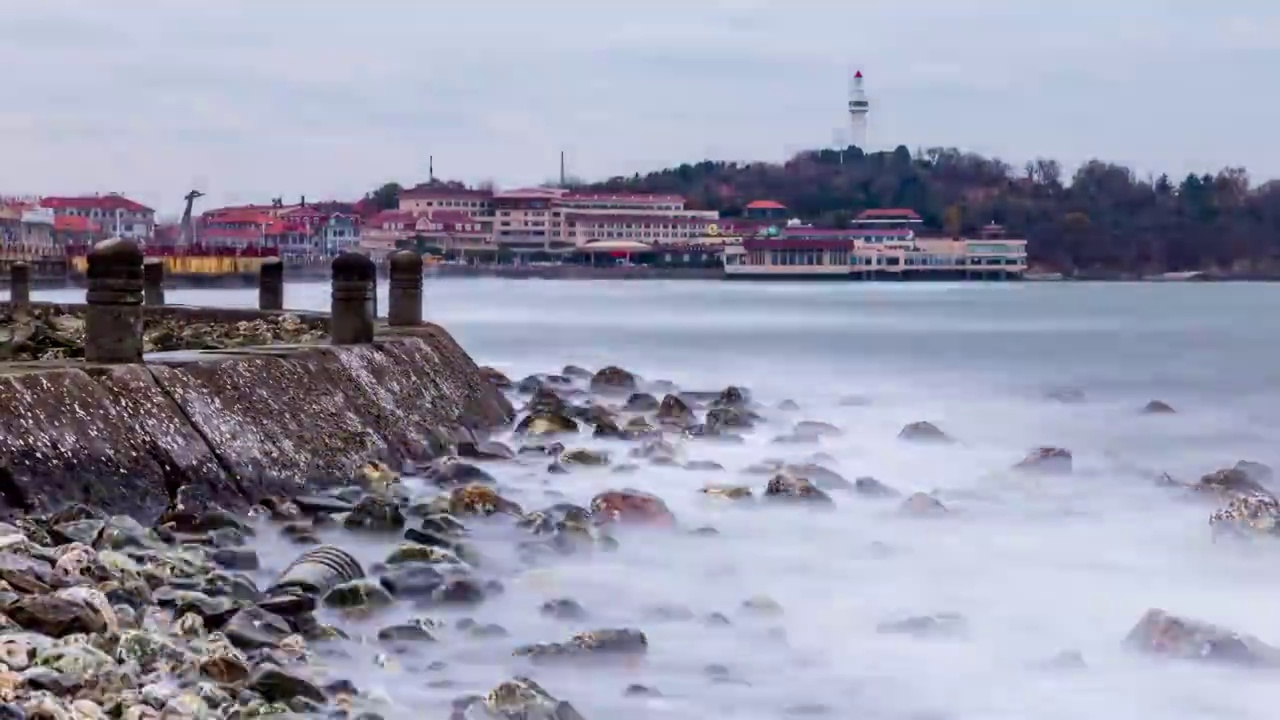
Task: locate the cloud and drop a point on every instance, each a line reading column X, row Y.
column 327, row 98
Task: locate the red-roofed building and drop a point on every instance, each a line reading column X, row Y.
column 114, row 213
column 765, row 210
column 454, row 232
column 76, row 230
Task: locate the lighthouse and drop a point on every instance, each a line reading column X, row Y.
column 859, row 106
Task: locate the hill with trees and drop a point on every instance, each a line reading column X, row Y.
column 1102, row 220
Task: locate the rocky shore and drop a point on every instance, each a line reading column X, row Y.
column 53, row 332
column 184, row 617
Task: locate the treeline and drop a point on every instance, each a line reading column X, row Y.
column 1102, row 219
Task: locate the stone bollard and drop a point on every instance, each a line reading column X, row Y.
column 20, row 285
column 373, row 294
column 113, row 320
column 404, row 297
column 153, row 282
column 350, row 321
column 271, row 284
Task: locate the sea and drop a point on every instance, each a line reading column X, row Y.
column 1036, row 566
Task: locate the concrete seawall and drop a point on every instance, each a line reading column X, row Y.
column 230, row 427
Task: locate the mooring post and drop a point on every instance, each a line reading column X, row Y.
column 153, row 282
column 404, row 296
column 20, row 285
column 373, row 294
column 271, row 284
column 113, row 319
column 350, row 318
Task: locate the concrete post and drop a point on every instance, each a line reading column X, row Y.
column 113, row 320
column 373, row 294
column 350, row 321
column 404, row 296
column 153, row 282
column 20, row 285
column 271, row 284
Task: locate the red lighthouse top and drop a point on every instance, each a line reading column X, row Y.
column 858, row 74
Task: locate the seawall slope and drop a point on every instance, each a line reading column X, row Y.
column 230, row 427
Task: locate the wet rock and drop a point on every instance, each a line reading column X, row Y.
column 1157, row 407
column 413, row 552
column 1047, row 460
column 673, row 412
column 520, row 699
column 922, row 505
column 1256, row 471
column 584, row 457
column 613, row 380
column 414, row 631
column 276, row 684
column 795, row 489
column 486, row 450
column 563, row 609
column 84, row 531
column 762, row 605
column 868, row 486
column 56, row 615
column 576, row 372
column 541, row 424
column 450, row 472
column 495, row 377
column 641, row 402
column 703, row 465
column 412, row 579
column 1252, row 515
column 938, row 625
column 25, row 574
column 483, row 500
column 635, row 690
column 236, row 558
column 376, row 476
column 788, row 405
column 1232, row 481
column 730, row 492
column 593, row 643
column 362, row 594
column 719, row 419
column 1161, row 633
column 253, row 628
column 815, row 429
column 322, row 505
column 822, row 477
column 923, row 431
column 631, row 506
column 375, row 513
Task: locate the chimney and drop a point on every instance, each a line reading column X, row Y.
column 303, row 201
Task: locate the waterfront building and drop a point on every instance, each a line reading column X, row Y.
column 114, row 213
column 880, row 244
column 430, row 197
column 453, row 233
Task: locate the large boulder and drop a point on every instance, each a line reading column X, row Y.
column 632, row 507
column 923, row 431
column 1161, row 633
column 1257, row 514
column 613, row 380
column 1050, row 460
column 1242, row 479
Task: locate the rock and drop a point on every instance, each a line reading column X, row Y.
column 451, row 472
column 1160, row 633
column 277, row 684
column 868, row 486
column 703, row 465
column 584, row 457
column 476, row 499
column 820, row 476
column 575, row 372
column 638, row 690
column 938, row 625
column 731, row 492
column 236, row 558
column 631, row 506
column 1065, row 395
column 56, row 615
column 727, row 417
column 25, row 574
column 376, row 476
column 495, row 377
column 413, row 552
column 541, row 424
column 673, row 412
column 788, row 405
column 563, row 609
column 613, row 381
column 1157, row 407
column 788, row 487
column 1232, row 481
column 603, row 642
column 762, row 605
column 923, row 431
column 922, row 505
column 486, row 450
column 362, row 594
column 1048, row 460
column 1248, row 515
column 412, row 631
column 375, row 513
column 815, row 429
column 1256, row 471
column 322, row 505
column 520, row 699
column 641, row 402
column 253, row 628
column 412, row 579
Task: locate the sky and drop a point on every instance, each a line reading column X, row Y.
column 252, row 99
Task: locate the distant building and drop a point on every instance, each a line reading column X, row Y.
column 765, row 210
column 428, row 198
column 114, row 213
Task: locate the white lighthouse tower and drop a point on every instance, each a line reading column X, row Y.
column 859, row 106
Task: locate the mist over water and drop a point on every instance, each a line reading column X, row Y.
column 1037, row 565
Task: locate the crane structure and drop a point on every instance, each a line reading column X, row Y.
column 187, row 230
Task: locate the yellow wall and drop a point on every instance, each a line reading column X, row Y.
column 196, row 265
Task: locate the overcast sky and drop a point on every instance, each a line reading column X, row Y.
column 249, row 99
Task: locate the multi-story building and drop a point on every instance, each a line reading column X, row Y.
column 114, row 213
column 430, row 197
column 881, row 244
column 451, row 232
